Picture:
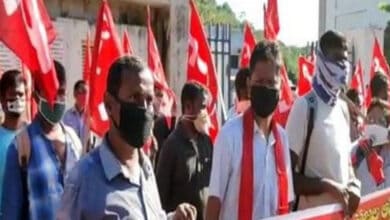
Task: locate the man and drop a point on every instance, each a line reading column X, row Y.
column 13, row 101
column 319, row 134
column 353, row 108
column 75, row 116
column 251, row 174
column 183, row 171
column 39, row 159
column 379, row 86
column 240, row 83
column 163, row 125
column 371, row 159
column 116, row 180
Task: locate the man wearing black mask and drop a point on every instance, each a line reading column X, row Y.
column 116, row 180
column 251, row 174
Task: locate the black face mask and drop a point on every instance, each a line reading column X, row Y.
column 264, row 100
column 135, row 124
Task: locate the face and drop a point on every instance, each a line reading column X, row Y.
column 377, row 116
column 135, row 88
column 265, row 74
column 52, row 114
column 196, row 106
column 157, row 100
column 80, row 95
column 339, row 54
column 13, row 95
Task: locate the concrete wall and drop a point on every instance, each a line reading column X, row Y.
column 359, row 20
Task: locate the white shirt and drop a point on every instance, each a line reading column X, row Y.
column 226, row 171
column 329, row 148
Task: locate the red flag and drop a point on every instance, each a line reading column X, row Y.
column 306, row 73
column 286, row 99
column 201, row 66
column 357, row 83
column 378, row 64
column 26, row 29
column 271, row 20
column 168, row 106
column 87, row 60
column 247, row 48
column 107, row 49
column 127, row 47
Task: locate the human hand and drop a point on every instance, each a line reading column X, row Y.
column 339, row 192
column 185, row 211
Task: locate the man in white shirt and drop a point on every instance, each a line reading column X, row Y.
column 327, row 176
column 250, row 148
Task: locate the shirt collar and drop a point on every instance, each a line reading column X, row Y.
column 112, row 167
column 270, row 140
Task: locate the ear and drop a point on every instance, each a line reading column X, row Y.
column 248, row 86
column 108, row 103
column 35, row 96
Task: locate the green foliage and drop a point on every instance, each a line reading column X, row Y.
column 290, row 57
column 212, row 13
column 384, row 6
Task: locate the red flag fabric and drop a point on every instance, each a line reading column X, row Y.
column 127, row 46
column 271, row 20
column 87, row 60
column 201, row 66
column 168, row 105
column 357, row 83
column 247, row 47
column 378, row 64
column 26, row 29
column 286, row 99
column 107, row 49
column 306, row 73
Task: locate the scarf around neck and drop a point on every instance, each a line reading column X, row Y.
column 329, row 78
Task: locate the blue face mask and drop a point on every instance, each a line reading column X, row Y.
column 54, row 114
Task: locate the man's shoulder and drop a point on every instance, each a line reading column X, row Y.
column 87, row 166
column 232, row 128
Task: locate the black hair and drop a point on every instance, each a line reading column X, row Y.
column 130, row 64
column 60, row 73
column 190, row 92
column 10, row 79
column 265, row 51
column 331, row 40
column 378, row 84
column 241, row 79
column 353, row 95
column 79, row 84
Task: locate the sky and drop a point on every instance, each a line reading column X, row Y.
column 298, row 18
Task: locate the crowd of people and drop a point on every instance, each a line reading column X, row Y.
column 329, row 152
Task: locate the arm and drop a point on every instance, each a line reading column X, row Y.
column 220, row 174
column 14, row 203
column 164, row 174
column 70, row 208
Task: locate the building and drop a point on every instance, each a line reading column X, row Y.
column 360, row 21
column 74, row 18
